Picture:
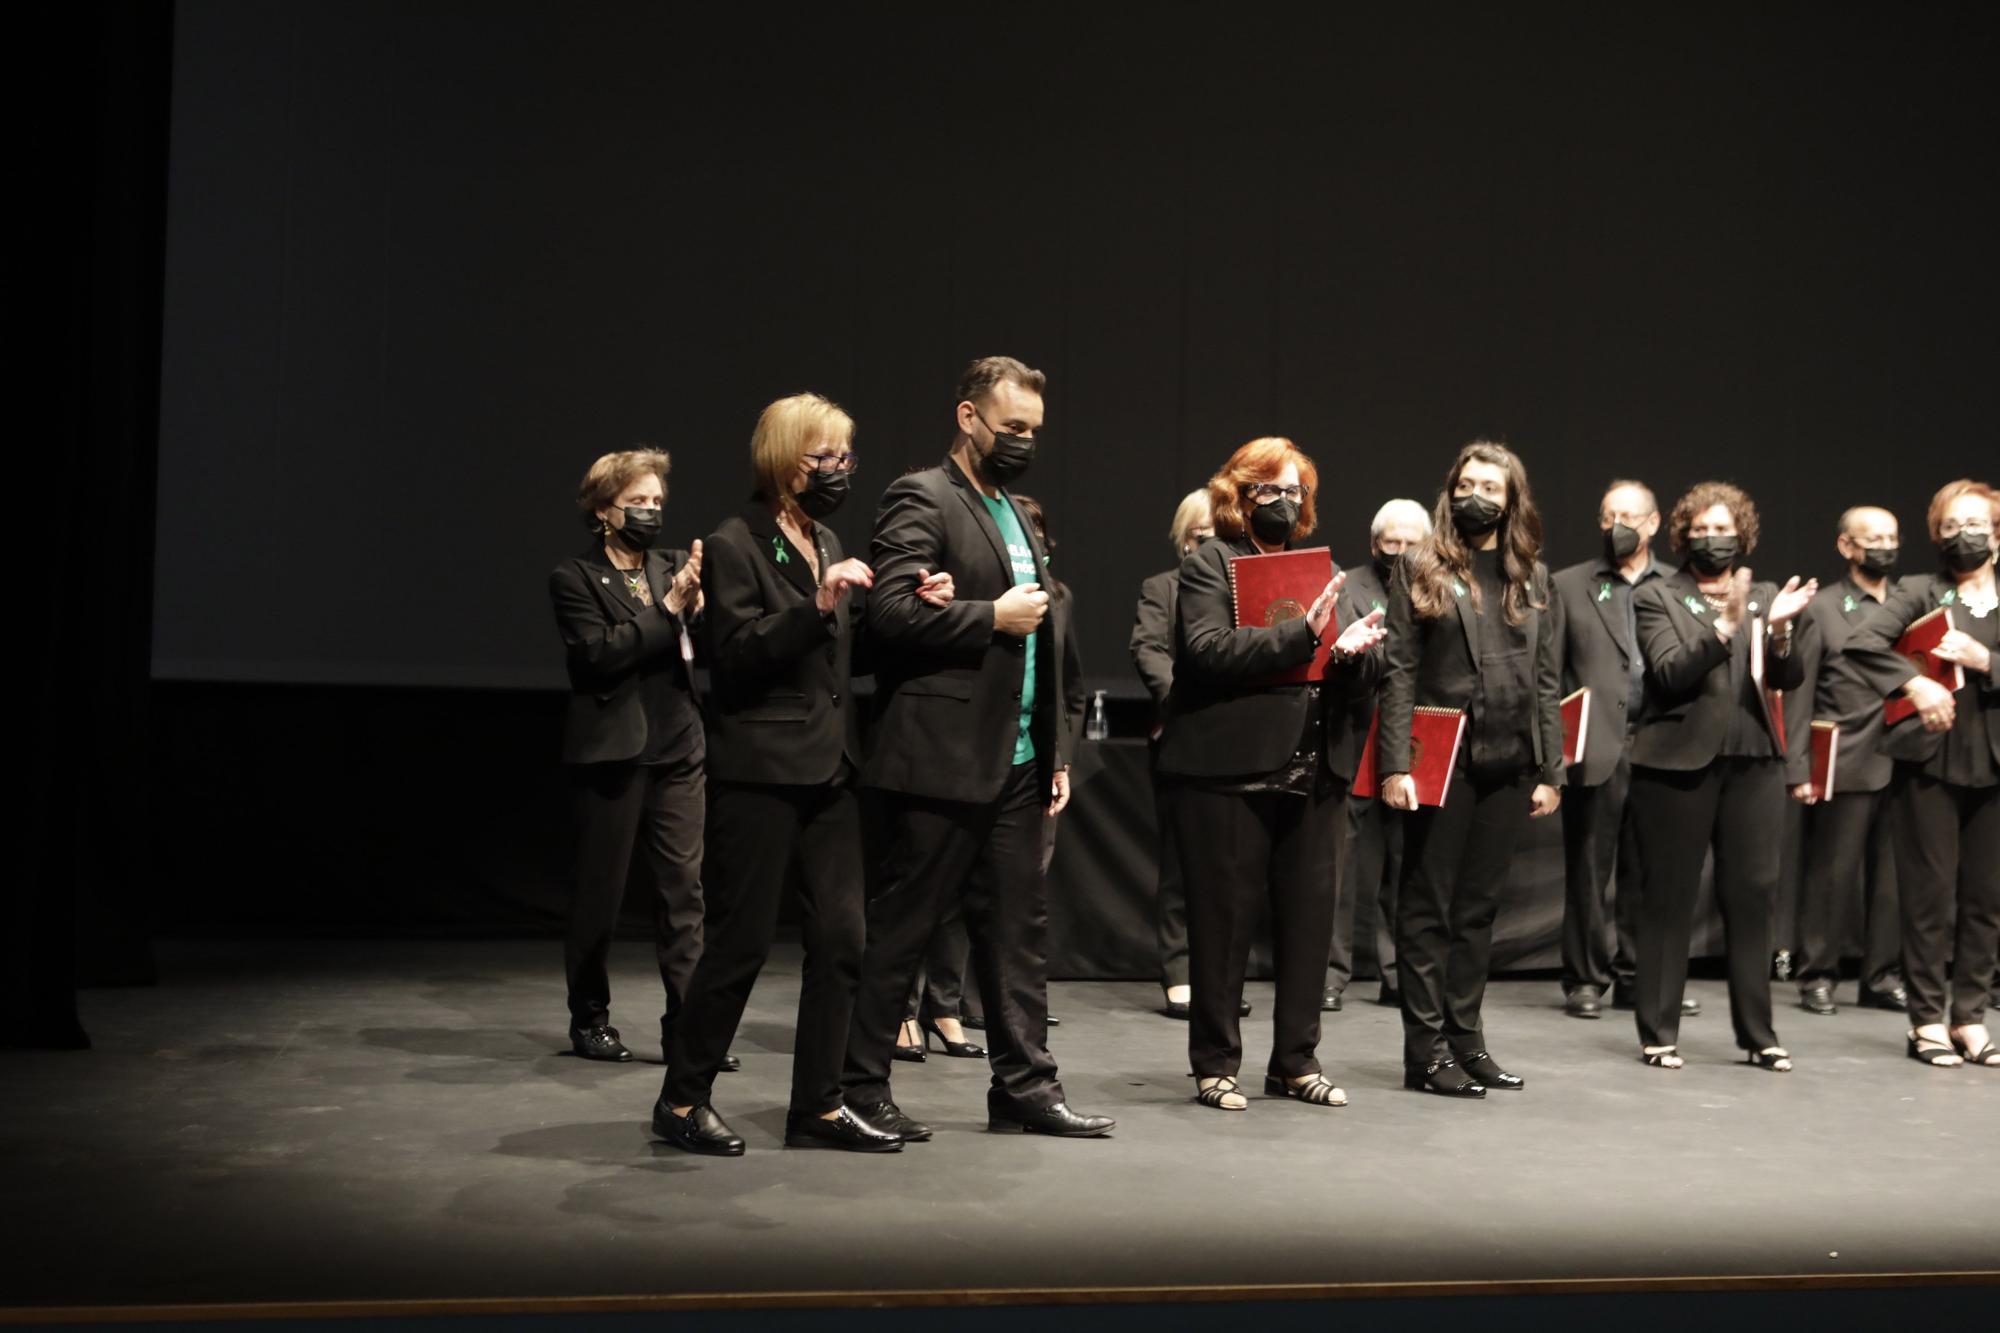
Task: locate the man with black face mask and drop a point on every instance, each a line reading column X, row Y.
column 968, row 757
column 1594, row 607
column 1847, row 894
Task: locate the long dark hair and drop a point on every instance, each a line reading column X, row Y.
column 1031, row 508
column 1443, row 558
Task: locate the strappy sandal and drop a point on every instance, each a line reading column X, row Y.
column 1315, row 1091
column 1667, row 1057
column 1777, row 1059
column 1936, row 1054
column 1216, row 1093
column 1987, row 1056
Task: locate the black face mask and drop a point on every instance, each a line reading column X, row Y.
column 1620, row 543
column 1475, row 515
column 1008, row 460
column 642, row 528
column 1965, row 552
column 1876, row 563
column 1272, row 524
column 1713, row 555
column 1385, row 565
column 824, row 493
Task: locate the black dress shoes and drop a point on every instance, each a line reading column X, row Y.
column 1483, row 1069
column 887, row 1118
column 1176, row 1009
column 1584, row 1002
column 1389, row 998
column 1243, row 1009
column 846, row 1131
column 1817, row 999
column 731, row 1065
column 1059, row 1120
column 1330, row 1002
column 1442, row 1077
column 1895, row 999
column 701, row 1130
column 598, row 1043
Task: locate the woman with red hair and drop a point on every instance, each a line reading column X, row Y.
column 1259, row 776
column 1944, row 801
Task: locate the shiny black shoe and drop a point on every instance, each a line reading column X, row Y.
column 1058, row 1120
column 1818, row 999
column 1442, row 1077
column 846, row 1131
column 1054, row 1022
column 730, row 1065
column 598, row 1043
column 1330, row 1002
column 1243, row 1009
column 963, row 1050
column 1895, row 999
column 913, row 1054
column 885, row 1117
column 1584, row 1002
column 701, row 1130
column 1176, row 1009
column 1483, row 1069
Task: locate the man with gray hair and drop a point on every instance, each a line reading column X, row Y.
column 1367, row 903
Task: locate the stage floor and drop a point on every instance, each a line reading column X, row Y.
column 335, row 1121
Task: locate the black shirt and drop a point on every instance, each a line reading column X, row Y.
column 1503, row 712
column 673, row 717
column 1611, row 577
column 1966, row 757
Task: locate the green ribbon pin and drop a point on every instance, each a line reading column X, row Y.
column 1695, row 604
column 1950, row 596
column 1458, row 587
column 1847, row 604
column 778, row 551
column 1604, row 593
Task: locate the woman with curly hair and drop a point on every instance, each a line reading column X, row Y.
column 1470, row 628
column 1708, row 764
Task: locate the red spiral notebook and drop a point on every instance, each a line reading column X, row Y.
column 1576, row 725
column 1267, row 590
column 1825, row 758
column 1435, row 735
column 1923, row 635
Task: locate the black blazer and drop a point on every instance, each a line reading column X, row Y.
column 1363, row 593
column 1219, row 726
column 1872, row 649
column 1695, row 682
column 781, row 706
column 1834, row 691
column 609, row 636
column 948, row 685
column 1434, row 663
column 1074, row 698
column 1152, row 642
column 1598, row 652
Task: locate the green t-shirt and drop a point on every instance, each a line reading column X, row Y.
column 1023, row 557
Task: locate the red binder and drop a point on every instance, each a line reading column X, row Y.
column 1825, row 758
column 1923, row 635
column 1435, row 735
column 1268, row 590
column 1576, row 725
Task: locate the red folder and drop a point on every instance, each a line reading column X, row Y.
column 1435, row 735
column 1268, row 590
column 1576, row 725
column 1917, row 643
column 1825, row 757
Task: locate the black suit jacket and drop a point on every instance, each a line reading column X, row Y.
column 1434, row 663
column 608, row 637
column 781, row 705
column 1217, row 724
column 1834, row 691
column 1872, row 649
column 948, row 685
column 1598, row 652
column 1695, row 683
column 1152, row 642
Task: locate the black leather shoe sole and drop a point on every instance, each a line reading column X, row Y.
column 1330, row 1002
column 994, row 1126
column 1875, row 999
column 837, row 1136
column 666, row 1132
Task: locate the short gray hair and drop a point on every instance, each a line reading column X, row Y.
column 1403, row 510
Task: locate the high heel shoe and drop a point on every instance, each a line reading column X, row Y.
column 963, row 1050
column 914, row 1054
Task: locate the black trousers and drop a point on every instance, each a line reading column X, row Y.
column 1600, row 923
column 1455, row 862
column 1364, row 918
column 1237, row 850
column 757, row 836
column 1948, row 874
column 1735, row 806
column 1170, row 915
column 621, row 809
column 1847, row 896
column 991, row 853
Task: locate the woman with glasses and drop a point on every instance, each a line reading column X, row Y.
column 1944, row 801
column 783, row 752
column 1259, row 775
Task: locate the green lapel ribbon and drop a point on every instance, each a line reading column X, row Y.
column 1950, row 596
column 1604, row 593
column 1847, row 604
column 1695, row 604
column 1458, row 587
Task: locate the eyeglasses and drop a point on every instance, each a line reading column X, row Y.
column 849, row 462
column 1269, row 492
